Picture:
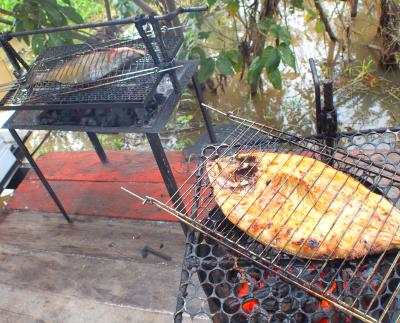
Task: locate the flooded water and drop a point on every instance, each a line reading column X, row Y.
column 362, row 102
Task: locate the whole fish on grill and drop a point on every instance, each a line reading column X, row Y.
column 88, row 67
column 302, row 206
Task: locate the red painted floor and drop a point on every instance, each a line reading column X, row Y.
column 88, row 187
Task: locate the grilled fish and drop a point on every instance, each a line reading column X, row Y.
column 302, row 206
column 89, row 66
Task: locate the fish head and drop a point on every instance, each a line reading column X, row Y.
column 239, row 171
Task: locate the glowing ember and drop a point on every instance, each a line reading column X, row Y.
column 324, row 304
column 333, row 287
column 248, row 306
column 243, row 290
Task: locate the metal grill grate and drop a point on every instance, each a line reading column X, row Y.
column 221, row 285
column 377, row 171
column 131, row 83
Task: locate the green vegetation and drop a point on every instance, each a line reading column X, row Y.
column 257, row 47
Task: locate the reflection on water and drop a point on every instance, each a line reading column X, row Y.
column 291, row 109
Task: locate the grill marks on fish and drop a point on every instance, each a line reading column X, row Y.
column 88, row 67
column 302, row 206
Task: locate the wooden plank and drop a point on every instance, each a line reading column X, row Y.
column 132, row 166
column 93, row 260
column 120, row 239
column 92, row 198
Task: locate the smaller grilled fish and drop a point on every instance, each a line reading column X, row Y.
column 88, row 67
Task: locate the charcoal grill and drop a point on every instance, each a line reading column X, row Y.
column 218, row 253
column 131, row 86
column 138, row 97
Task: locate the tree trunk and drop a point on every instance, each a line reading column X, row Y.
column 354, row 8
column 145, row 7
column 268, row 9
column 171, row 6
column 325, row 20
column 388, row 31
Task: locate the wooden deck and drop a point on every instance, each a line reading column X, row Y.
column 88, row 271
column 85, row 186
column 91, row 270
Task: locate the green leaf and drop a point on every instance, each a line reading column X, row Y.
column 232, row 7
column 271, row 58
column 206, row 69
column 319, row 26
column 297, row 3
column 38, row 43
column 198, row 52
column 72, row 15
column 210, row 3
column 275, row 78
column 311, row 13
column 265, row 26
column 287, row 55
column 277, row 31
column 204, row 34
column 255, row 70
column 53, row 15
column 236, row 58
column 224, row 65
column 284, row 35
column 184, row 119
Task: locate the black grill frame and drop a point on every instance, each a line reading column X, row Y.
column 368, row 143
column 29, row 119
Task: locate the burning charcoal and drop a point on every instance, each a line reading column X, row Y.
column 392, row 284
column 243, row 263
column 209, row 263
column 288, row 305
column 320, row 317
column 214, row 304
column 261, row 318
column 223, row 290
column 281, row 289
column 216, row 276
column 219, row 251
column 239, row 318
column 366, row 302
column 227, row 263
column 261, row 292
column 254, row 273
column 279, row 317
column 233, row 276
column 310, row 305
column 231, row 305
column 208, row 289
column 270, row 304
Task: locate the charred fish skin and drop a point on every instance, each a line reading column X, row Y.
column 301, row 206
column 88, row 67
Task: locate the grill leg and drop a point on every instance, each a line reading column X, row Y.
column 97, row 147
column 166, row 172
column 206, row 116
column 39, row 174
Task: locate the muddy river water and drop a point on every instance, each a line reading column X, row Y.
column 360, row 102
